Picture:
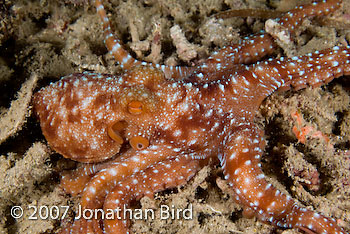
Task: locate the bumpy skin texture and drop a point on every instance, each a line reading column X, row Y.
column 176, row 120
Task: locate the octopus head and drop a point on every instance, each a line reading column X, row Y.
column 89, row 117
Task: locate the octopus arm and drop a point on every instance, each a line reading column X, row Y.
column 248, row 51
column 145, row 183
column 73, row 182
column 123, row 57
column 254, row 48
column 108, row 176
column 242, row 169
column 320, row 67
column 124, row 166
column 315, row 69
column 294, row 17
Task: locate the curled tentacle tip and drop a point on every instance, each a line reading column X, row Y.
column 116, row 130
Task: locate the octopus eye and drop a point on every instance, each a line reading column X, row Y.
column 116, row 130
column 135, row 107
column 139, row 143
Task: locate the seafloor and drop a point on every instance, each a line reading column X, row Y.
column 41, row 41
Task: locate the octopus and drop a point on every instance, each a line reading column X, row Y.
column 154, row 126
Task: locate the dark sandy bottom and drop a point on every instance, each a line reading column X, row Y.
column 40, row 41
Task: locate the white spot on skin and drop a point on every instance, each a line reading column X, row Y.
column 245, row 150
column 222, row 88
column 136, row 159
column 112, row 171
column 92, row 190
column 233, row 155
column 177, row 133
